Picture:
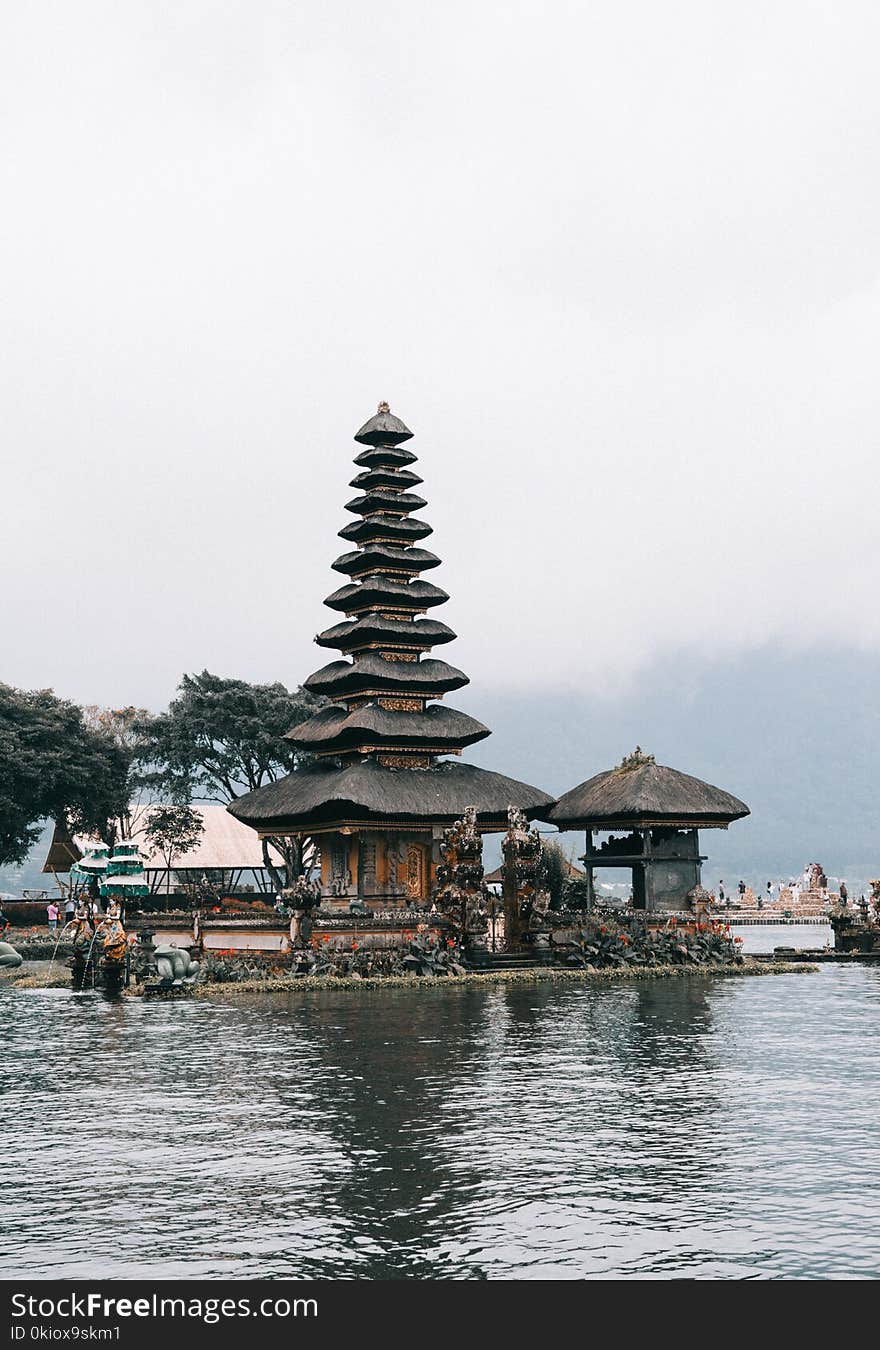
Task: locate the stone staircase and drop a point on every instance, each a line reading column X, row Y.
column 489, row 962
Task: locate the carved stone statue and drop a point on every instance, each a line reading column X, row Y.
column 525, row 901
column 300, row 898
column 82, row 924
column 111, row 932
column 461, row 895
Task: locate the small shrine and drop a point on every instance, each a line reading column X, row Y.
column 384, row 785
column 646, row 817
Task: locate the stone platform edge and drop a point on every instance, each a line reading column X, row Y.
column 538, row 975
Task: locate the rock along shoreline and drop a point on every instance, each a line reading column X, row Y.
column 27, row 977
column 538, row 975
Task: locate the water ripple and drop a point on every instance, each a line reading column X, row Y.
column 657, row 1130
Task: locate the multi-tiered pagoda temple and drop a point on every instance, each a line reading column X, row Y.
column 381, row 789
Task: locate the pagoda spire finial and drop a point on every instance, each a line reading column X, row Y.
column 637, row 759
column 383, row 429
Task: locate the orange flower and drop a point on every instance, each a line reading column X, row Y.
column 354, row 946
column 737, row 939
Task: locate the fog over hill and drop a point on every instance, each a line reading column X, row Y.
column 794, row 734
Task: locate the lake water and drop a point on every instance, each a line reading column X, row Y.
column 660, row 1129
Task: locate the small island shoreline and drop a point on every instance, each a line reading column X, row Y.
column 27, row 977
column 537, row 975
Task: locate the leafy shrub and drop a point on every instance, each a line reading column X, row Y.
column 621, row 940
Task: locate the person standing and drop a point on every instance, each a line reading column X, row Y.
column 721, row 892
column 52, row 912
column 69, row 909
column 844, row 893
column 742, row 891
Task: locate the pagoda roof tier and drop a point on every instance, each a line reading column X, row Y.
column 394, row 529
column 381, row 499
column 385, row 557
column 323, row 797
column 437, row 730
column 393, row 478
column 385, row 457
column 641, row 793
column 381, row 593
column 383, row 429
column 374, row 631
column 371, row 673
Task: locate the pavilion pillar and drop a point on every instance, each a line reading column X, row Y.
column 589, row 874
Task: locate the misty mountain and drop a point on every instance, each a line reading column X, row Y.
column 795, row 734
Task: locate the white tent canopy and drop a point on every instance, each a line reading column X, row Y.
column 225, row 846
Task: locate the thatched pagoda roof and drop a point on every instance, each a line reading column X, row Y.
column 383, row 429
column 370, row 727
column 393, row 478
column 375, row 630
column 384, row 499
column 639, row 793
column 385, row 557
column 378, row 590
column 384, row 712
column 377, row 529
column 371, row 673
column 322, row 796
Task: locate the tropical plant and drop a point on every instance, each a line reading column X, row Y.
column 173, row 831
column 54, row 764
column 221, row 738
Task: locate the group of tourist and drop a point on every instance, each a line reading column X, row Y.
column 55, row 911
column 812, row 879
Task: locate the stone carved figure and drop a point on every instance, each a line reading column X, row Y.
column 340, row 873
column 526, row 902
column 82, row 926
column 175, row 964
column 461, row 895
column 112, row 933
column 300, row 898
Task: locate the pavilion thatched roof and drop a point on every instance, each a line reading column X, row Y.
column 321, row 795
column 63, row 851
column 639, row 792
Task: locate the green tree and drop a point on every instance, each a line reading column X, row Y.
column 53, row 764
column 221, row 738
column 129, row 730
column 173, row 831
column 556, row 868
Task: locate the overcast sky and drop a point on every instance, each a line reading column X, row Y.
column 616, row 264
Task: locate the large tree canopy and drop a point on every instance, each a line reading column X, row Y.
column 223, row 737
column 54, row 764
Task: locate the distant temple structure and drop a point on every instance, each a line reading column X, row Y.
column 225, row 854
column 659, row 813
column 381, row 792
